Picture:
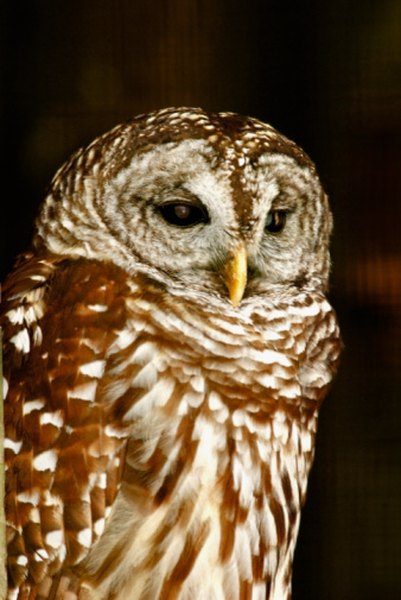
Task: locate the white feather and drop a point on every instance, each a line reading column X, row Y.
column 46, row 460
column 21, row 341
column 85, row 391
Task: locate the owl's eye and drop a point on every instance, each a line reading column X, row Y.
column 183, row 214
column 275, row 221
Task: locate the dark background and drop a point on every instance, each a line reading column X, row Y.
column 327, row 74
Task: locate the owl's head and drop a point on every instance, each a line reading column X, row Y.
column 210, row 203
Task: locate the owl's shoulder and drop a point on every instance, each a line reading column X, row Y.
column 59, row 281
column 49, row 298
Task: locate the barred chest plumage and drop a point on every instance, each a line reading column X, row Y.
column 220, row 442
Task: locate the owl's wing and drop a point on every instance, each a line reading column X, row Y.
column 63, row 443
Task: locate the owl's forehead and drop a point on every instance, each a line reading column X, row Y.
column 224, row 131
column 230, row 134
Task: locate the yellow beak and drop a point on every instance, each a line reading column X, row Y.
column 235, row 274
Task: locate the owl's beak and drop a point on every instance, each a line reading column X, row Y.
column 235, row 274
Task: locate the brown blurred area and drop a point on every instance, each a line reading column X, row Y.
column 328, row 75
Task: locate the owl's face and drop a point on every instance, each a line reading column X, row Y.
column 212, row 203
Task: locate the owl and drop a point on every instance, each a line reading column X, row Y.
column 167, row 346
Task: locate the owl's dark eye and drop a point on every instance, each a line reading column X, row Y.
column 183, row 214
column 275, row 221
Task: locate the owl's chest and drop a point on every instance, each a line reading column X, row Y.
column 213, row 388
column 216, row 461
column 201, row 404
column 185, row 363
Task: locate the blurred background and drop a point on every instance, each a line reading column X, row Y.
column 328, row 75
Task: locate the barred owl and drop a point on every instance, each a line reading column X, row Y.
column 167, row 345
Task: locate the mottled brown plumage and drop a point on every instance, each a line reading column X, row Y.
column 167, row 345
